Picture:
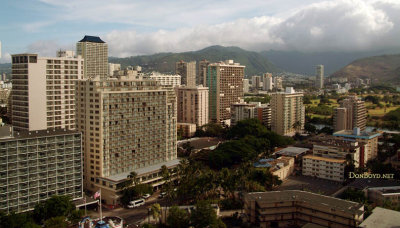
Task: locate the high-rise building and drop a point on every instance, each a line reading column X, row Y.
column 351, row 114
column 287, row 112
column 278, row 83
column 263, row 113
column 246, row 85
column 202, row 72
column 43, row 93
column 166, row 79
column 127, row 125
column 192, row 103
column 95, row 53
column 187, row 71
column 37, row 165
column 319, row 76
column 225, row 84
column 113, row 67
column 256, row 82
column 267, row 82
column 242, row 111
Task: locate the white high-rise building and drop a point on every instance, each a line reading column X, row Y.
column 112, row 67
column 256, row 82
column 43, row 94
column 267, row 82
column 166, row 79
column 319, row 78
column 246, row 85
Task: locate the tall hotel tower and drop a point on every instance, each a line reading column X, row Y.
column 43, row 95
column 95, row 53
column 225, row 84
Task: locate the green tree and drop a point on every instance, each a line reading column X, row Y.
column 178, row 218
column 56, row 222
column 156, row 211
column 205, row 216
column 54, row 207
column 14, row 220
column 310, row 128
column 148, row 225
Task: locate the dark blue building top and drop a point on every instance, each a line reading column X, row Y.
column 93, row 39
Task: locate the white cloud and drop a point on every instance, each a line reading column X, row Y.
column 48, row 48
column 339, row 25
column 5, row 58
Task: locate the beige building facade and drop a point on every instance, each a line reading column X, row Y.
column 293, row 208
column 167, row 79
column 192, row 105
column 43, row 94
column 127, row 125
column 94, row 51
column 351, row 114
column 287, row 112
column 324, row 168
column 225, row 84
column 187, row 70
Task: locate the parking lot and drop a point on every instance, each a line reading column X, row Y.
column 311, row 184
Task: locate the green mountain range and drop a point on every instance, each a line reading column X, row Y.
column 384, row 68
column 255, row 63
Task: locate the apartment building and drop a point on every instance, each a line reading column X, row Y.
column 281, row 167
column 187, row 70
column 242, row 111
column 278, row 84
column 351, row 114
column 382, row 195
column 246, row 86
column 263, row 113
column 127, row 125
column 267, row 82
column 113, row 67
column 192, row 105
column 225, row 83
column 43, row 95
column 166, row 79
column 319, row 76
column 293, row 208
column 202, row 72
column 186, row 130
column 94, row 51
column 287, row 112
column 324, row 167
column 256, row 82
column 37, row 165
column 370, row 139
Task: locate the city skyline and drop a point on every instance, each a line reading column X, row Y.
column 45, row 25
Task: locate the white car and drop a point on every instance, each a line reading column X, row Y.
column 146, row 196
column 162, row 194
column 136, row 203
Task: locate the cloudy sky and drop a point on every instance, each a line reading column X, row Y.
column 137, row 27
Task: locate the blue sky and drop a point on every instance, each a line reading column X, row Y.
column 134, row 27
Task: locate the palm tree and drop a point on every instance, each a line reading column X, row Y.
column 133, row 178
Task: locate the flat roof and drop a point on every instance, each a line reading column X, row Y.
column 309, row 197
column 362, row 135
column 382, row 217
column 325, row 159
column 141, row 171
column 40, row 133
column 362, row 183
column 292, row 151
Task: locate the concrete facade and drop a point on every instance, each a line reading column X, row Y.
column 166, row 79
column 287, row 112
column 43, row 93
column 95, row 53
column 187, row 70
column 355, row 114
column 192, row 105
column 225, row 83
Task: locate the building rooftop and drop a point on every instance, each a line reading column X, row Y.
column 325, row 159
column 34, row 134
column 362, row 135
column 141, row 171
column 382, row 217
column 93, row 39
column 362, row 183
column 201, row 143
column 291, row 151
column 264, row 199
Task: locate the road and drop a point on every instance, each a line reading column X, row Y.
column 131, row 216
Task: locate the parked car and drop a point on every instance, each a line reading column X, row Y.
column 146, row 196
column 162, row 195
column 136, row 203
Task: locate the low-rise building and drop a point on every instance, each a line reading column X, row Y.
column 382, row 217
column 295, row 208
column 186, row 130
column 382, row 195
column 281, row 167
column 368, row 138
column 37, row 165
column 325, row 168
column 166, row 79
